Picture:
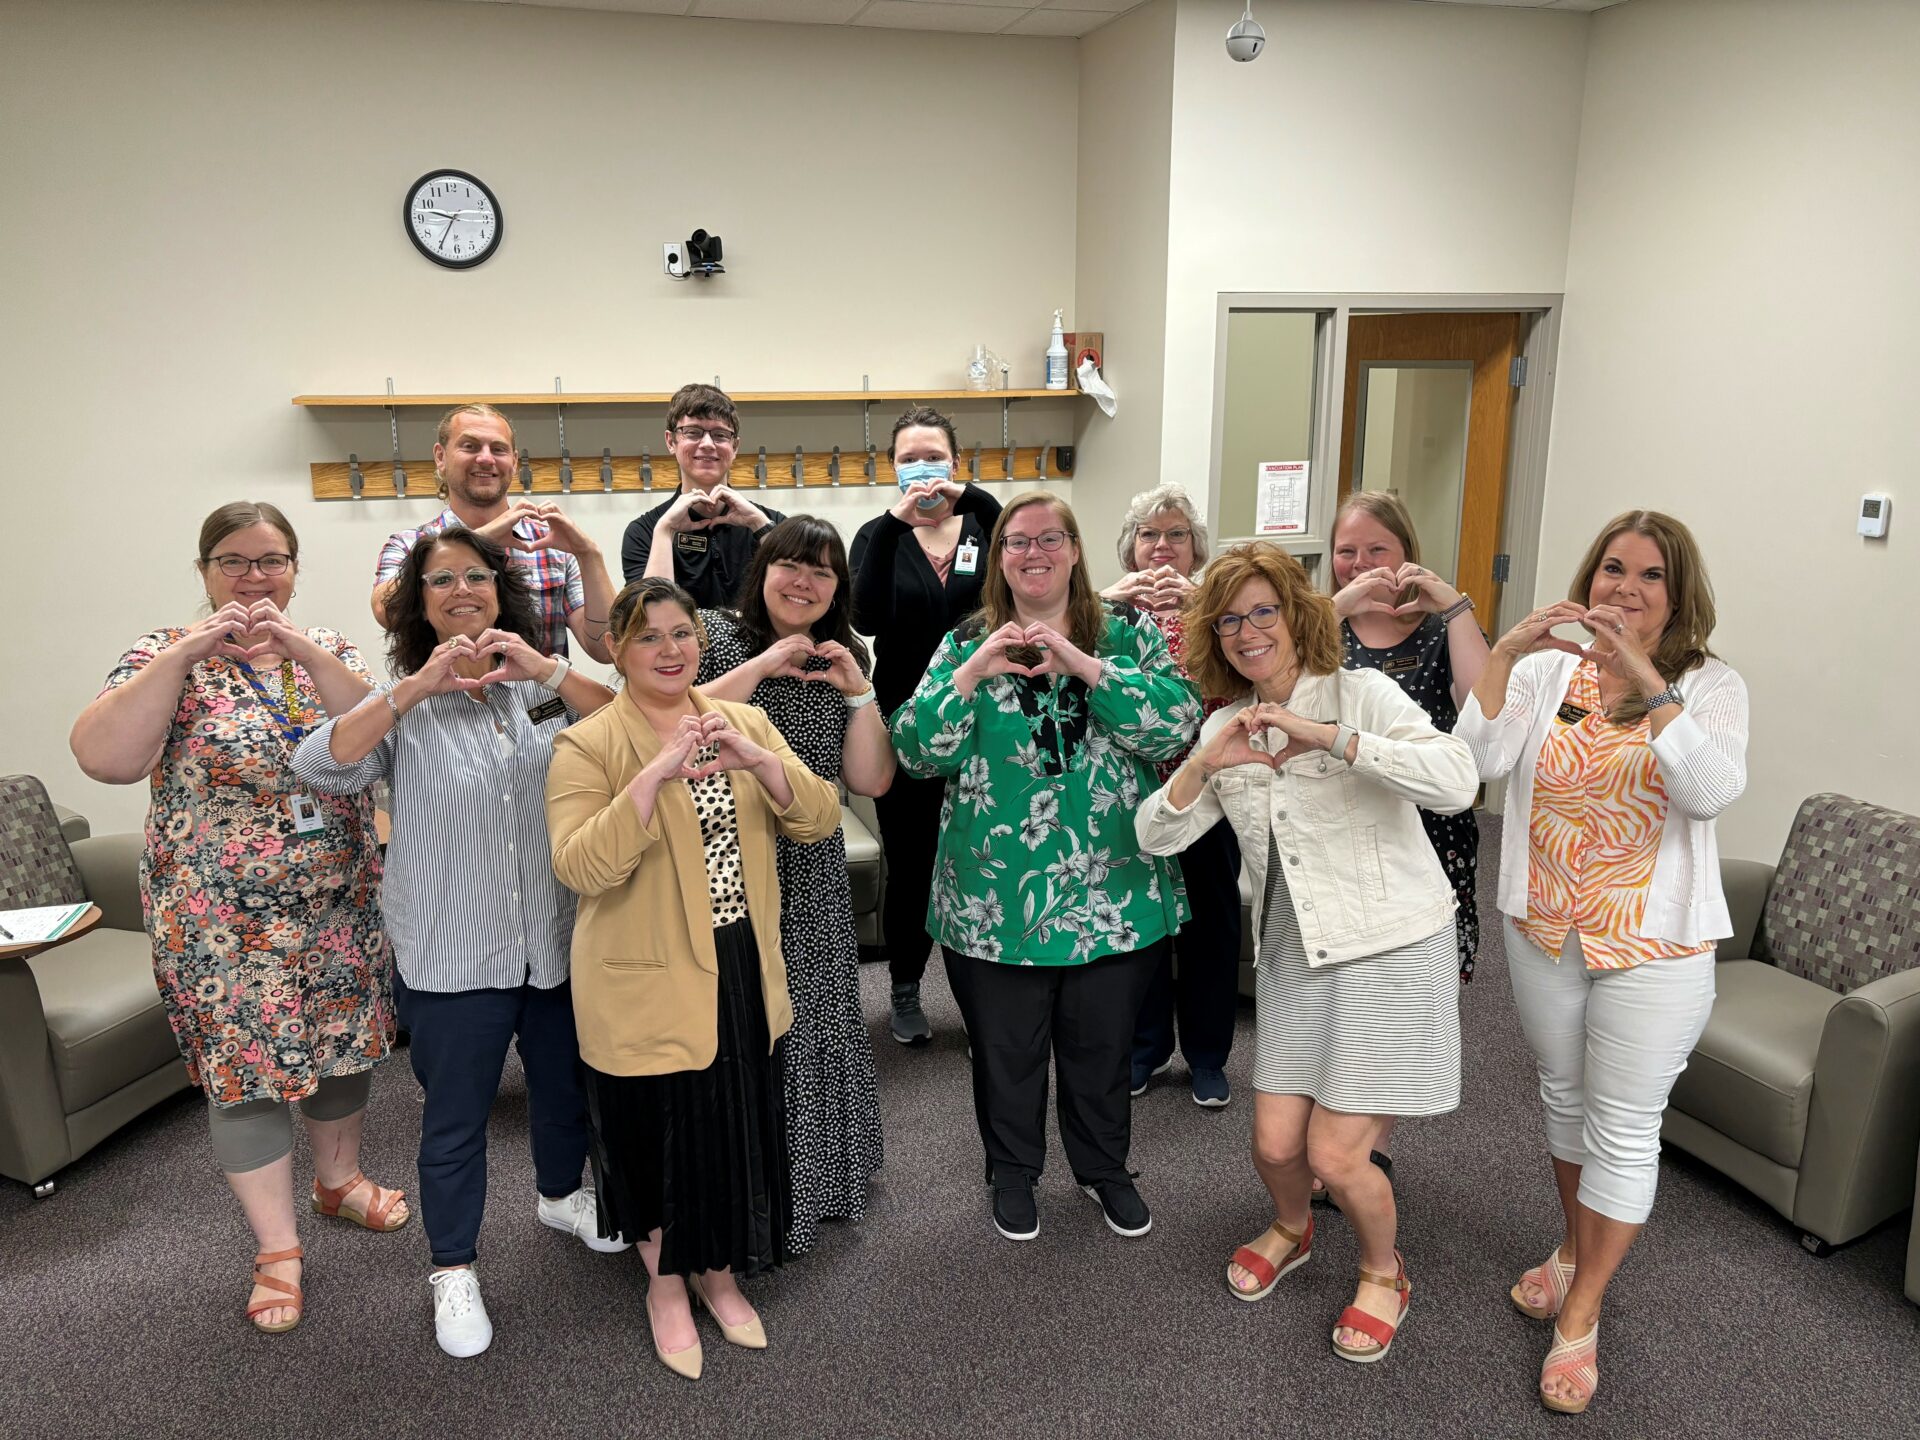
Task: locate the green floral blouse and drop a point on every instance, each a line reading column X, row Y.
column 1037, row 863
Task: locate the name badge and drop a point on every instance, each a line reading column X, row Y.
column 1401, row 665
column 688, row 540
column 546, row 710
column 307, row 818
column 966, row 559
column 1571, row 714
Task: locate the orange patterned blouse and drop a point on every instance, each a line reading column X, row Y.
column 1599, row 808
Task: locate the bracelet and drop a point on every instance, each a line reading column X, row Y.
column 387, row 695
column 562, row 667
column 1459, row 607
column 865, row 697
column 1669, row 696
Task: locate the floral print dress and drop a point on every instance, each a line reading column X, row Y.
column 267, row 944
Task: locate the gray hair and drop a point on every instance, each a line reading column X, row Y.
column 1147, row 504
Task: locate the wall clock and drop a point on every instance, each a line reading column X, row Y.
column 453, row 219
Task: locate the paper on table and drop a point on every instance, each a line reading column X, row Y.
column 42, row 922
column 1281, row 505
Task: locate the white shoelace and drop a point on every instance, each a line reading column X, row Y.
column 457, row 1290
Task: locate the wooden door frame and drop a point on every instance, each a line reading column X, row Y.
column 1527, row 457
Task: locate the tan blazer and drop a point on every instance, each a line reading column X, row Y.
column 646, row 988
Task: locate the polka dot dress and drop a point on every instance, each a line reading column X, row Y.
column 833, row 1100
column 1422, row 666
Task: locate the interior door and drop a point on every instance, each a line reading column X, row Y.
column 1427, row 413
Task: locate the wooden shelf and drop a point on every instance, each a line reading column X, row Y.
column 744, row 397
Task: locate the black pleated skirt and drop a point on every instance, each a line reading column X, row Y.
column 701, row 1155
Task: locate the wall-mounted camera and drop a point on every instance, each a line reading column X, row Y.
column 1246, row 39
column 699, row 254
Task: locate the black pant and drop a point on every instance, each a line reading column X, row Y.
column 909, row 815
column 1207, row 988
column 1083, row 1015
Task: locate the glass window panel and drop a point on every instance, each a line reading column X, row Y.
column 1413, row 442
column 1269, row 407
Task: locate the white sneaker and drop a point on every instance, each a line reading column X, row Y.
column 579, row 1214
column 460, row 1321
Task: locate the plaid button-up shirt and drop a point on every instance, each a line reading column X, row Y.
column 554, row 574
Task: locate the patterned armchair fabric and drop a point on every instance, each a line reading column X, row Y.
column 1844, row 907
column 36, row 867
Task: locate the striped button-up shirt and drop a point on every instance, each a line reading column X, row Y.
column 470, row 899
column 558, row 589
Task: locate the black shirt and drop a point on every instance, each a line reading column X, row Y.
column 709, row 564
column 899, row 600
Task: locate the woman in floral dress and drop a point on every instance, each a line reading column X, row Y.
column 262, row 898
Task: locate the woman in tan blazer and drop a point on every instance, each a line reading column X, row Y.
column 662, row 809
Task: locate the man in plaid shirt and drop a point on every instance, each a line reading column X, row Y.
column 474, row 457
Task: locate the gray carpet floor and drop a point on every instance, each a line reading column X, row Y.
column 121, row 1296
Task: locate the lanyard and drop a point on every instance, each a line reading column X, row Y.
column 287, row 715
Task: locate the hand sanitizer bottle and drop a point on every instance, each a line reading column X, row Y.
column 1057, row 356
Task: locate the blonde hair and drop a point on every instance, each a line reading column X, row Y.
column 1683, row 644
column 1086, row 616
column 1307, row 614
column 1147, row 504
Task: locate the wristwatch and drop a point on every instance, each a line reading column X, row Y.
column 562, row 667
column 1342, row 733
column 1669, row 696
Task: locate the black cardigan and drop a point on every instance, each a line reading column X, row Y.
column 899, row 601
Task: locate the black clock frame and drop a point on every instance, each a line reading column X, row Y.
column 499, row 219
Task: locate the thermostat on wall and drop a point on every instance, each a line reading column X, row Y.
column 1874, row 509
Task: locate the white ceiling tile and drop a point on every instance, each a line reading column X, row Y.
column 1058, row 22
column 1111, row 7
column 963, row 19
column 786, row 12
column 632, row 7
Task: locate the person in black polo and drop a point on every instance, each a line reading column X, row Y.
column 704, row 536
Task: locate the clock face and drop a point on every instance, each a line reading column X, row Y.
column 453, row 219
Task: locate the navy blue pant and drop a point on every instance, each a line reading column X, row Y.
column 459, row 1047
column 1207, row 989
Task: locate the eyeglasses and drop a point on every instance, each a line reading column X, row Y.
column 1264, row 617
column 1172, row 537
column 1048, row 540
column 477, row 578
column 694, row 434
column 234, row 566
column 653, row 639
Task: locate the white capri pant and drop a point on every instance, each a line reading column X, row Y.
column 1609, row 1044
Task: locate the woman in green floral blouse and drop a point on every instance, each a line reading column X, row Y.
column 1044, row 713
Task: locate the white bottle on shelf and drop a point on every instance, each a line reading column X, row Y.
column 1057, row 356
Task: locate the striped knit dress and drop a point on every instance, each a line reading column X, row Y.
column 1379, row 1035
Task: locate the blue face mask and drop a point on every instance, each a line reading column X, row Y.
column 915, row 472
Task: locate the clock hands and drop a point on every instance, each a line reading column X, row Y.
column 456, row 214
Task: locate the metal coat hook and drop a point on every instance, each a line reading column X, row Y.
column 646, row 471
column 526, row 473
column 799, row 467
column 1040, row 466
column 393, row 426
column 354, row 477
column 1010, row 462
column 870, row 458
column 606, row 469
column 760, row 469
column 833, row 466
column 973, row 466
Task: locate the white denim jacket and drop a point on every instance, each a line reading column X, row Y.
column 1360, row 869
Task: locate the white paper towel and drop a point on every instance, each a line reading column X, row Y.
column 1102, row 392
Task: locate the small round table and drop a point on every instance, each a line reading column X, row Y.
column 22, row 949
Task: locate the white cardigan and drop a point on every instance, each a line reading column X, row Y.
column 1361, row 872
column 1702, row 755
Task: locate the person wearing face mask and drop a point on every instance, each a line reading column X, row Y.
column 789, row 650
column 473, row 456
column 703, row 537
column 1320, row 771
column 917, row 572
column 664, row 808
column 261, row 895
column 479, row 924
column 1619, row 756
column 1044, row 714
column 1162, row 542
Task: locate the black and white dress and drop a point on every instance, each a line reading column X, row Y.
column 1422, row 665
column 832, row 1096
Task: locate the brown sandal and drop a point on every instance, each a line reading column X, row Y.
column 377, row 1216
column 295, row 1300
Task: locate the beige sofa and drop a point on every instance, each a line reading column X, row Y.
column 1805, row 1087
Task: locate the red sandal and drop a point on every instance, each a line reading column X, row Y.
column 1264, row 1270
column 295, row 1300
column 377, row 1216
column 1354, row 1318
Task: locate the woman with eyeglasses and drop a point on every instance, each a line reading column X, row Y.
column 261, row 895
column 917, row 573
column 664, row 809
column 1044, row 714
column 790, row 651
column 1162, row 541
column 480, row 927
column 1322, row 772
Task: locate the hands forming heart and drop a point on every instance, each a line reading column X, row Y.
column 245, row 633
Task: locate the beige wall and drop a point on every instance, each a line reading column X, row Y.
column 1126, row 118
column 1377, row 145
column 1740, row 344
column 201, row 219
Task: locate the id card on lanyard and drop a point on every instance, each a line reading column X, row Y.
column 966, row 559
column 290, row 721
